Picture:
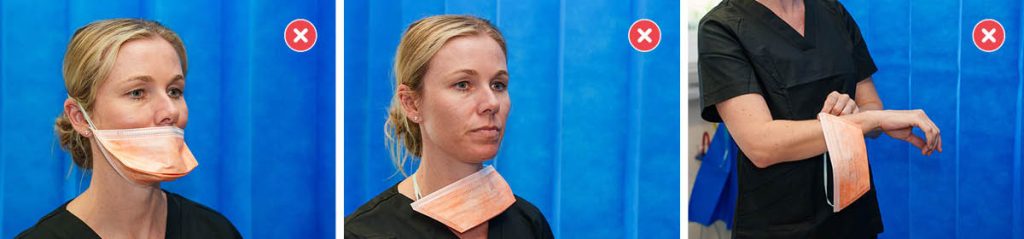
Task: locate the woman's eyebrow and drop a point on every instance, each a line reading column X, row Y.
column 148, row 79
column 464, row 71
column 501, row 73
column 177, row 78
column 474, row 73
column 143, row 78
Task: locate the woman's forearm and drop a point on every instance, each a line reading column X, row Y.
column 779, row 141
column 768, row 141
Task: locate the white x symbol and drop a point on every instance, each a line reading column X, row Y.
column 300, row 35
column 644, row 35
column 988, row 35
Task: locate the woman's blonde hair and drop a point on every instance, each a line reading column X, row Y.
column 87, row 62
column 418, row 45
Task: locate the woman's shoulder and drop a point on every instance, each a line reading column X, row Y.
column 525, row 220
column 192, row 217
column 389, row 215
column 59, row 223
column 725, row 11
column 384, row 205
column 525, row 207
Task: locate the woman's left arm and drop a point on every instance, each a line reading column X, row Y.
column 867, row 99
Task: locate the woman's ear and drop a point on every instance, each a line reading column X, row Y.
column 410, row 103
column 77, row 119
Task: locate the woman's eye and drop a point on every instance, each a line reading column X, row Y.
column 136, row 93
column 498, row 86
column 175, row 93
column 462, row 85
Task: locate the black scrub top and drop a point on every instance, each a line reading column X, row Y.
column 744, row 48
column 389, row 215
column 185, row 219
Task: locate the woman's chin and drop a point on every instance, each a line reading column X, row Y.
column 480, row 154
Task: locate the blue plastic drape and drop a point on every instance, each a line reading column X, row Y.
column 927, row 60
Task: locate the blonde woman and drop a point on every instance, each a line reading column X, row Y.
column 767, row 68
column 124, row 120
column 449, row 109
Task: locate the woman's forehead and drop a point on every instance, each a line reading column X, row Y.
column 473, row 53
column 148, row 58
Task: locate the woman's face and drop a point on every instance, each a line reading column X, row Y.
column 464, row 99
column 144, row 88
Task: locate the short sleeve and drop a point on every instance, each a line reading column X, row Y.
column 861, row 57
column 723, row 68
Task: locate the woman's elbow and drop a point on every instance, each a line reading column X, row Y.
column 761, row 157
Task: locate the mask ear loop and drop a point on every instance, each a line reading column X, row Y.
column 92, row 127
column 415, row 183
column 86, row 114
column 824, row 173
column 416, row 186
column 494, row 162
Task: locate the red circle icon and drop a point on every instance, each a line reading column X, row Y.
column 300, row 35
column 988, row 35
column 644, row 35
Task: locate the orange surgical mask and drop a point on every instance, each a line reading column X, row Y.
column 145, row 155
column 468, row 202
column 851, row 176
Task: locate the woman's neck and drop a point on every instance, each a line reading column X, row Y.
column 783, row 6
column 437, row 170
column 115, row 207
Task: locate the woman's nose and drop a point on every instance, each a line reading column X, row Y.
column 489, row 103
column 167, row 110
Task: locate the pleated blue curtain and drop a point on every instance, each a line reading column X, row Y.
column 261, row 116
column 593, row 135
column 927, row 60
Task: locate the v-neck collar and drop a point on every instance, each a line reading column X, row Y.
column 173, row 217
column 805, row 41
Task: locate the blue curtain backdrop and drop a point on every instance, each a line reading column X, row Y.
column 927, row 60
column 261, row 116
column 593, row 135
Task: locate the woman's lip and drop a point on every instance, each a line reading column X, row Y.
column 495, row 128
column 489, row 134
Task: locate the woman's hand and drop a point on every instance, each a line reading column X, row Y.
column 899, row 124
column 839, row 104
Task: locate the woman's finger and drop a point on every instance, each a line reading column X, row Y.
column 935, row 145
column 850, row 108
column 934, row 130
column 841, row 101
column 922, row 124
column 830, row 101
column 931, row 131
column 914, row 140
column 940, row 143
